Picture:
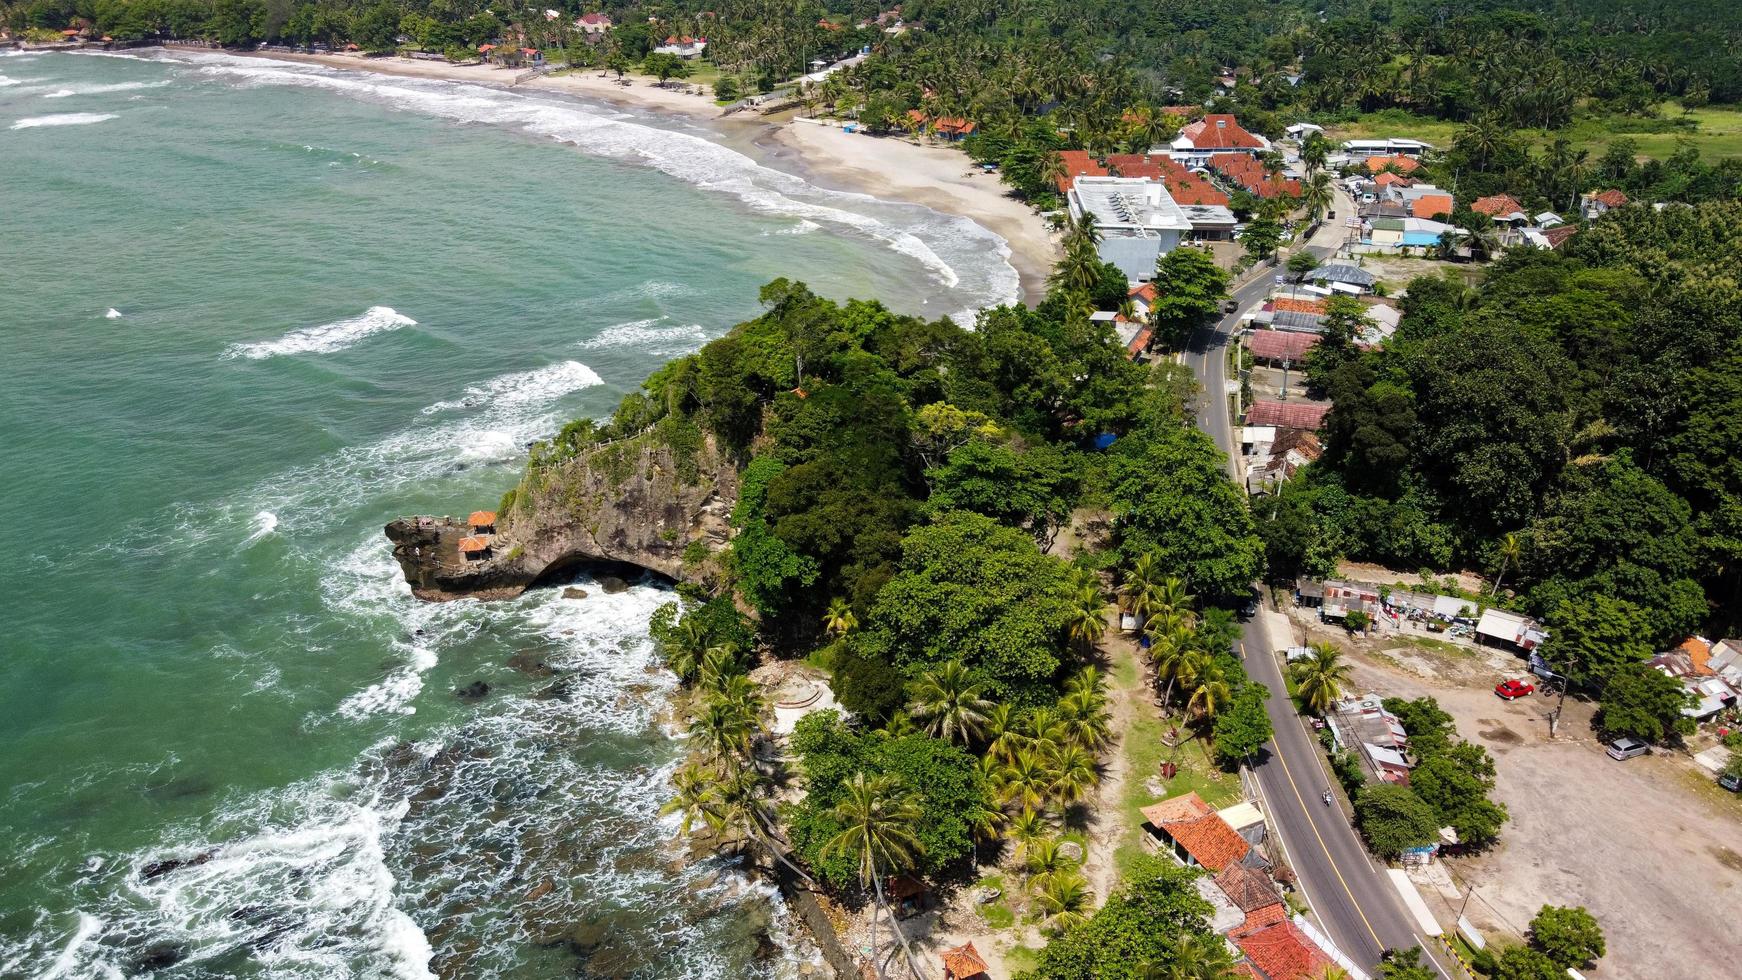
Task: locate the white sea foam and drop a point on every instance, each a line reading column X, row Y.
column 6, row 82
column 63, row 119
column 326, row 338
column 650, row 337
column 804, row 227
column 523, row 388
column 683, row 155
column 97, row 89
column 265, row 522
column 113, row 314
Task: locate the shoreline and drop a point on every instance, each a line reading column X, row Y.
column 889, row 168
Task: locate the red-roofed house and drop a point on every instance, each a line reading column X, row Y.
column 1280, row 951
column 1431, row 206
column 1077, row 163
column 1206, row 841
column 952, row 128
column 593, row 27
column 964, row 963
column 1500, row 207
column 1278, row 346
column 1595, row 205
column 1218, row 132
column 684, row 47
column 1143, row 297
column 1558, row 235
column 1288, row 415
column 1399, row 163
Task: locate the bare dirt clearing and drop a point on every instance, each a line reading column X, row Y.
column 1648, row 846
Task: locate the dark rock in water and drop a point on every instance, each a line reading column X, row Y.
column 472, row 691
column 159, row 956
column 623, row 957
column 612, row 584
column 574, row 593
column 559, row 690
column 587, row 936
column 529, row 663
column 158, row 869
column 180, row 787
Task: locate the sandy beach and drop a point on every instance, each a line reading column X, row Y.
column 941, row 178
column 890, row 167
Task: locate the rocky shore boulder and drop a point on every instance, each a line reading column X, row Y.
column 632, row 501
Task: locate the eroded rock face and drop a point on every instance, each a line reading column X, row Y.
column 631, row 501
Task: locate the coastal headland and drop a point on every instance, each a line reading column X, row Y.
column 891, row 168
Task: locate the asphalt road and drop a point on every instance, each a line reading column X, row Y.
column 1353, row 899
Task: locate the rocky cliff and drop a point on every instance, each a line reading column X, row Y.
column 637, row 501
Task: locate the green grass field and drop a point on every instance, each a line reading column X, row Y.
column 1716, row 131
column 1144, row 753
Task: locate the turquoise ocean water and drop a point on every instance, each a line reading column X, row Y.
column 251, row 312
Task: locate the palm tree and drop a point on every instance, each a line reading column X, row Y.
column 1171, row 652
column 878, row 816
column 948, row 701
column 1510, row 548
column 1085, row 718
column 695, row 799
column 1089, row 683
column 725, row 732
column 1088, row 616
column 1191, row 958
column 1025, row 781
column 1043, row 859
column 1209, row 691
column 685, row 651
column 740, row 806
column 1026, row 828
column 839, row 619
column 1002, row 733
column 1062, row 898
column 1052, row 169
column 1319, row 679
column 718, row 664
column 1317, row 194
column 1073, row 775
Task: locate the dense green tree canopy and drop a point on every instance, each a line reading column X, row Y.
column 972, row 590
column 1393, row 819
column 1173, row 499
column 1568, row 936
column 1142, row 923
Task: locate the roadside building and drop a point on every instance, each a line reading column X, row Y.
column 1509, row 631
column 1383, row 742
column 1343, row 277
column 1342, row 598
column 1276, row 463
column 1137, row 219
column 1395, row 162
column 1288, row 415
column 1395, row 146
column 1280, row 348
column 1281, row 951
column 1195, row 833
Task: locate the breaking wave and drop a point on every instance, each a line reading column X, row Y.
column 947, row 247
column 63, row 119
column 326, row 338
column 95, row 89
column 650, row 337
column 523, row 388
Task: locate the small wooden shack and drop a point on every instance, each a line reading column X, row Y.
column 482, row 521
column 474, row 547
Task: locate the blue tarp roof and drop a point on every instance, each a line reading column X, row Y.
column 1105, row 440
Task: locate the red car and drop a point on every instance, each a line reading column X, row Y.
column 1514, row 689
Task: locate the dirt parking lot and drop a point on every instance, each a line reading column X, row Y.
column 1648, row 845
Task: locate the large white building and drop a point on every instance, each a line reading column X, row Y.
column 1136, row 217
